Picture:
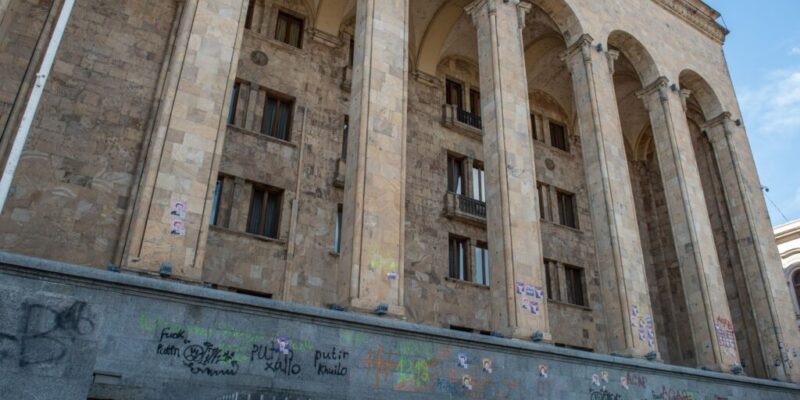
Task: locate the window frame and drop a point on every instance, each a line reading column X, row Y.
column 563, row 139
column 248, row 20
column 460, row 85
column 452, row 161
column 216, row 201
column 462, row 272
column 345, row 135
column 485, row 267
column 562, row 215
column 576, row 285
column 290, row 18
column 475, row 107
column 263, row 228
column 280, row 99
column 478, row 182
column 337, row 233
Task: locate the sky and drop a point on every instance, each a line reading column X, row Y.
column 763, row 51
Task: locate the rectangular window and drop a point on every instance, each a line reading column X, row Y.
column 265, row 212
column 455, row 94
column 337, row 233
column 533, row 127
column 277, row 117
column 345, row 131
column 352, row 54
column 216, row 201
column 566, row 209
column 558, row 136
column 574, row 277
column 458, row 259
column 548, row 278
column 455, row 174
column 542, row 192
column 482, row 264
column 478, row 182
column 475, row 102
column 289, row 29
column 251, row 8
column 232, row 109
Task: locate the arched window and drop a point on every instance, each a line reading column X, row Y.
column 796, row 285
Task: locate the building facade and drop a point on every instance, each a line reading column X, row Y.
column 788, row 238
column 575, row 172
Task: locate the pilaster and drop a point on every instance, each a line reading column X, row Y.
column 760, row 263
column 187, row 139
column 374, row 199
column 512, row 222
column 626, row 299
column 706, row 300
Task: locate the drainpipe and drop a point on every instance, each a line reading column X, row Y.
column 33, row 102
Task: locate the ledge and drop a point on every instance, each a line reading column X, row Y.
column 132, row 285
column 220, row 229
column 260, row 135
column 467, row 283
column 698, row 15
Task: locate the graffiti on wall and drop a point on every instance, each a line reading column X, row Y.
column 725, row 336
column 45, row 334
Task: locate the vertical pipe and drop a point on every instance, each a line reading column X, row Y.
column 33, row 102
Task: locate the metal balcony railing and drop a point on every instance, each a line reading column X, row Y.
column 471, row 206
column 469, row 118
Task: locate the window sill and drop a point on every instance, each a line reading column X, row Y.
column 248, row 235
column 564, row 227
column 570, row 305
column 558, row 152
column 261, row 136
column 263, row 36
column 467, row 283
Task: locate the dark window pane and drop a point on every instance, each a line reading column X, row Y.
column 272, row 213
column 215, row 202
column 482, row 264
column 352, row 52
column 254, row 219
column 458, row 259
column 541, row 193
column 575, row 285
column 566, row 210
column 454, row 94
column 234, row 103
column 478, row 182
column 345, row 130
column 548, row 279
column 455, row 175
column 270, row 109
column 558, row 137
column 248, row 22
column 475, row 102
column 289, row 29
column 283, row 121
column 533, row 126
column 337, row 238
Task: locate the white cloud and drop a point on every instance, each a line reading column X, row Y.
column 774, row 107
column 795, row 51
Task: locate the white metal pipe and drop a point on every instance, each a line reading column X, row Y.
column 33, row 102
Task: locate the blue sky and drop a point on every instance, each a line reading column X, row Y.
column 763, row 53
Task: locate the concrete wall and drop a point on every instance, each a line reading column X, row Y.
column 69, row 331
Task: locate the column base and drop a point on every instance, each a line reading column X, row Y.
column 370, row 306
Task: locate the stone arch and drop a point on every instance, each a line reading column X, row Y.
column 702, row 92
column 637, row 54
column 331, row 14
column 435, row 35
column 564, row 17
column 543, row 45
column 793, row 280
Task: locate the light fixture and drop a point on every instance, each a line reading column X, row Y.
column 165, row 270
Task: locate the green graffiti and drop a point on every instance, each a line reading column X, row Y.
column 353, row 337
column 416, row 371
column 381, row 264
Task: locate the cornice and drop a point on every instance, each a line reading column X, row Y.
column 699, row 15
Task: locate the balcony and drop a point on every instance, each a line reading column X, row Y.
column 465, row 209
column 462, row 121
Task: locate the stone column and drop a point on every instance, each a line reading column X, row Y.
column 769, row 298
column 374, row 197
column 709, row 314
column 626, row 298
column 186, row 141
column 515, row 244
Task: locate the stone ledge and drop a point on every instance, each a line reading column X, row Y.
column 44, row 271
column 698, row 15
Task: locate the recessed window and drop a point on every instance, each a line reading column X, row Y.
column 574, row 281
column 475, row 102
column 558, row 136
column 265, row 212
column 233, row 108
column 482, row 264
column 277, row 116
column 251, row 8
column 478, row 182
column 352, row 55
column 548, row 264
column 337, row 233
column 566, row 209
column 345, row 131
column 289, row 29
column 216, row 201
column 455, row 174
column 796, row 284
column 454, row 94
column 541, row 190
column 533, row 126
column 459, row 267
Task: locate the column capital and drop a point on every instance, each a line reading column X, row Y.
column 685, row 94
column 718, row 128
column 582, row 46
column 612, row 56
column 659, row 87
column 474, row 9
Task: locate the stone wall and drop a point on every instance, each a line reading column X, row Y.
column 69, row 332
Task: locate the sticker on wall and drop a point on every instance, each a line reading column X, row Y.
column 623, row 380
column 520, row 287
column 283, row 345
column 595, row 379
column 534, row 307
column 466, row 382
column 543, row 371
column 526, row 304
column 178, row 209
column 462, row 361
column 177, row 228
column 604, row 376
column 726, row 337
column 643, row 325
column 538, row 292
column 529, row 290
column 487, row 365
column 392, row 275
